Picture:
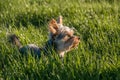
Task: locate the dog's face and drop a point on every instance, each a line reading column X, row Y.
column 63, row 37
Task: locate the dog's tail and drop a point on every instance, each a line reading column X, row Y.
column 14, row 40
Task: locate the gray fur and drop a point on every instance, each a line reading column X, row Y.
column 61, row 39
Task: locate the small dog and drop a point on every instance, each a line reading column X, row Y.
column 61, row 39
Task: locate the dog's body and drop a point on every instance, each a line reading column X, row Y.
column 61, row 39
column 32, row 48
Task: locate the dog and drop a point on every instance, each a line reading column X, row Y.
column 61, row 39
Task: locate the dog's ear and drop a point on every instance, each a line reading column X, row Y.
column 60, row 20
column 53, row 26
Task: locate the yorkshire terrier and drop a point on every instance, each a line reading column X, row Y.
column 61, row 39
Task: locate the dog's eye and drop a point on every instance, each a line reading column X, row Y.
column 69, row 35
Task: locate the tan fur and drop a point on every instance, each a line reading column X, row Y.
column 53, row 26
column 64, row 37
column 60, row 20
column 61, row 38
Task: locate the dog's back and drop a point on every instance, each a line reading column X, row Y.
column 30, row 48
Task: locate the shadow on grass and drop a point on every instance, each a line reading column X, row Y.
column 25, row 19
column 29, row 18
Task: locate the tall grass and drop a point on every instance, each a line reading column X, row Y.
column 97, row 22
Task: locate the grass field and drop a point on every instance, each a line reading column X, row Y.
column 97, row 22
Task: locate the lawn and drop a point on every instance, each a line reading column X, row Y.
column 97, row 22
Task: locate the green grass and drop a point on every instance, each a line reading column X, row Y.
column 96, row 22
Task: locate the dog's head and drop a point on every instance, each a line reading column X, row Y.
column 63, row 37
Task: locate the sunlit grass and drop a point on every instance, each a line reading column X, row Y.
column 96, row 22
